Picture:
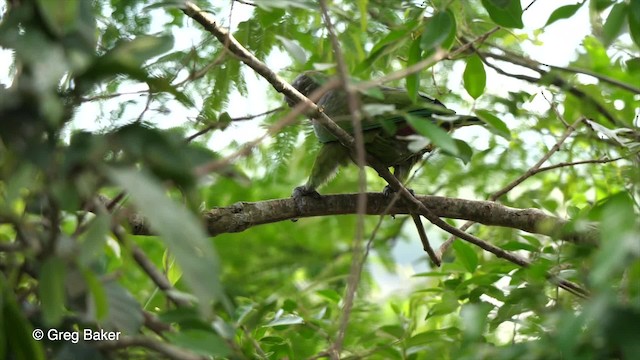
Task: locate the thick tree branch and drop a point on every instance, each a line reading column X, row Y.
column 245, row 215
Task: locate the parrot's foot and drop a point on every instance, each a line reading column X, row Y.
column 388, row 191
column 300, row 193
column 303, row 191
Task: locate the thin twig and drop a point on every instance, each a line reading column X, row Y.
column 158, row 278
column 356, row 117
column 548, row 78
column 192, row 137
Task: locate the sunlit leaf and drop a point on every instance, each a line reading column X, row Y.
column 288, row 319
column 437, row 30
column 294, row 49
column 634, row 20
column 496, row 125
column 466, row 255
column 614, row 24
column 563, row 12
column 474, row 76
column 507, row 13
column 438, row 137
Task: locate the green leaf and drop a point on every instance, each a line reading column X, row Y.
column 413, row 80
column 466, row 255
column 200, row 341
column 614, row 24
column 93, row 240
column 362, row 7
column 507, row 13
column 619, row 239
column 52, row 291
column 166, row 4
column 634, row 21
column 125, row 312
column 475, row 77
column 15, row 329
column 288, row 319
column 465, row 152
column 294, row 49
column 447, row 305
column 563, row 12
column 330, row 294
column 496, row 125
column 99, row 306
column 180, row 231
column 437, row 30
column 437, row 135
column 60, row 16
column 633, row 65
column 474, row 317
column 134, row 53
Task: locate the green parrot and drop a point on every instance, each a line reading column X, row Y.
column 384, row 133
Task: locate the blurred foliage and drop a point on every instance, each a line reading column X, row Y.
column 122, row 71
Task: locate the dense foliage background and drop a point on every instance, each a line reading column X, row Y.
column 122, row 110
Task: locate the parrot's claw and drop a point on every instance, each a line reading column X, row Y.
column 300, row 193
column 388, row 191
column 303, row 191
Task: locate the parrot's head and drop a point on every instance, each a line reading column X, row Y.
column 306, row 83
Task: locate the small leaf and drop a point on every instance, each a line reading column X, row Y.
column 619, row 240
column 413, row 80
column 134, row 53
column 52, row 291
column 288, row 319
column 475, row 77
column 474, row 317
column 125, row 312
column 60, row 16
column 634, row 21
column 496, row 125
column 465, row 152
column 438, row 136
column 614, row 24
column 466, row 255
column 99, row 306
column 563, row 12
column 330, row 294
column 295, row 50
column 15, row 329
column 362, row 6
column 633, row 65
column 93, row 240
column 166, row 4
column 507, row 13
column 437, row 30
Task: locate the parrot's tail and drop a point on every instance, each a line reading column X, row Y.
column 452, row 122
